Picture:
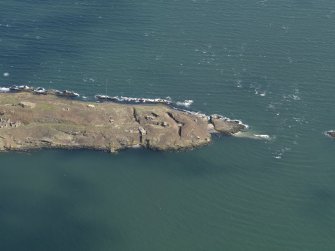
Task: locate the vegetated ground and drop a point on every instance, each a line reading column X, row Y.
column 30, row 121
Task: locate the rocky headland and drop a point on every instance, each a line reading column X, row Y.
column 30, row 120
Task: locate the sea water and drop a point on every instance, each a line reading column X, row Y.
column 269, row 63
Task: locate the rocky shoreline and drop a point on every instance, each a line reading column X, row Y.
column 31, row 120
column 99, row 97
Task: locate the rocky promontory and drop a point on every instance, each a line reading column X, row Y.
column 32, row 121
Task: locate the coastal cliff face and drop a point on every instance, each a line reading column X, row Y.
column 30, row 121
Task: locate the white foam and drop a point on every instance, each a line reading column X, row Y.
column 4, row 89
column 198, row 114
column 328, row 133
column 260, row 93
column 294, row 97
column 262, row 136
column 185, row 103
column 6, row 74
column 280, row 153
column 123, row 99
column 238, row 83
column 250, row 135
column 217, row 116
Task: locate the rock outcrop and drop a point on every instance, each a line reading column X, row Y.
column 31, row 121
column 330, row 133
column 225, row 125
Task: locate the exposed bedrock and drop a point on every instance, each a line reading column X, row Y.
column 29, row 121
column 226, row 126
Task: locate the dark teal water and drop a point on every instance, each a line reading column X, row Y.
column 269, row 63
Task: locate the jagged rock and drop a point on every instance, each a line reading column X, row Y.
column 226, row 126
column 149, row 117
column 142, row 131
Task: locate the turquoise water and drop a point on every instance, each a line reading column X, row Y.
column 269, row 63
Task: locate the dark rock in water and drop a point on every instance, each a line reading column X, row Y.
column 226, row 126
column 330, row 133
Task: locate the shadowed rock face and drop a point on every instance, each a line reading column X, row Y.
column 29, row 121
